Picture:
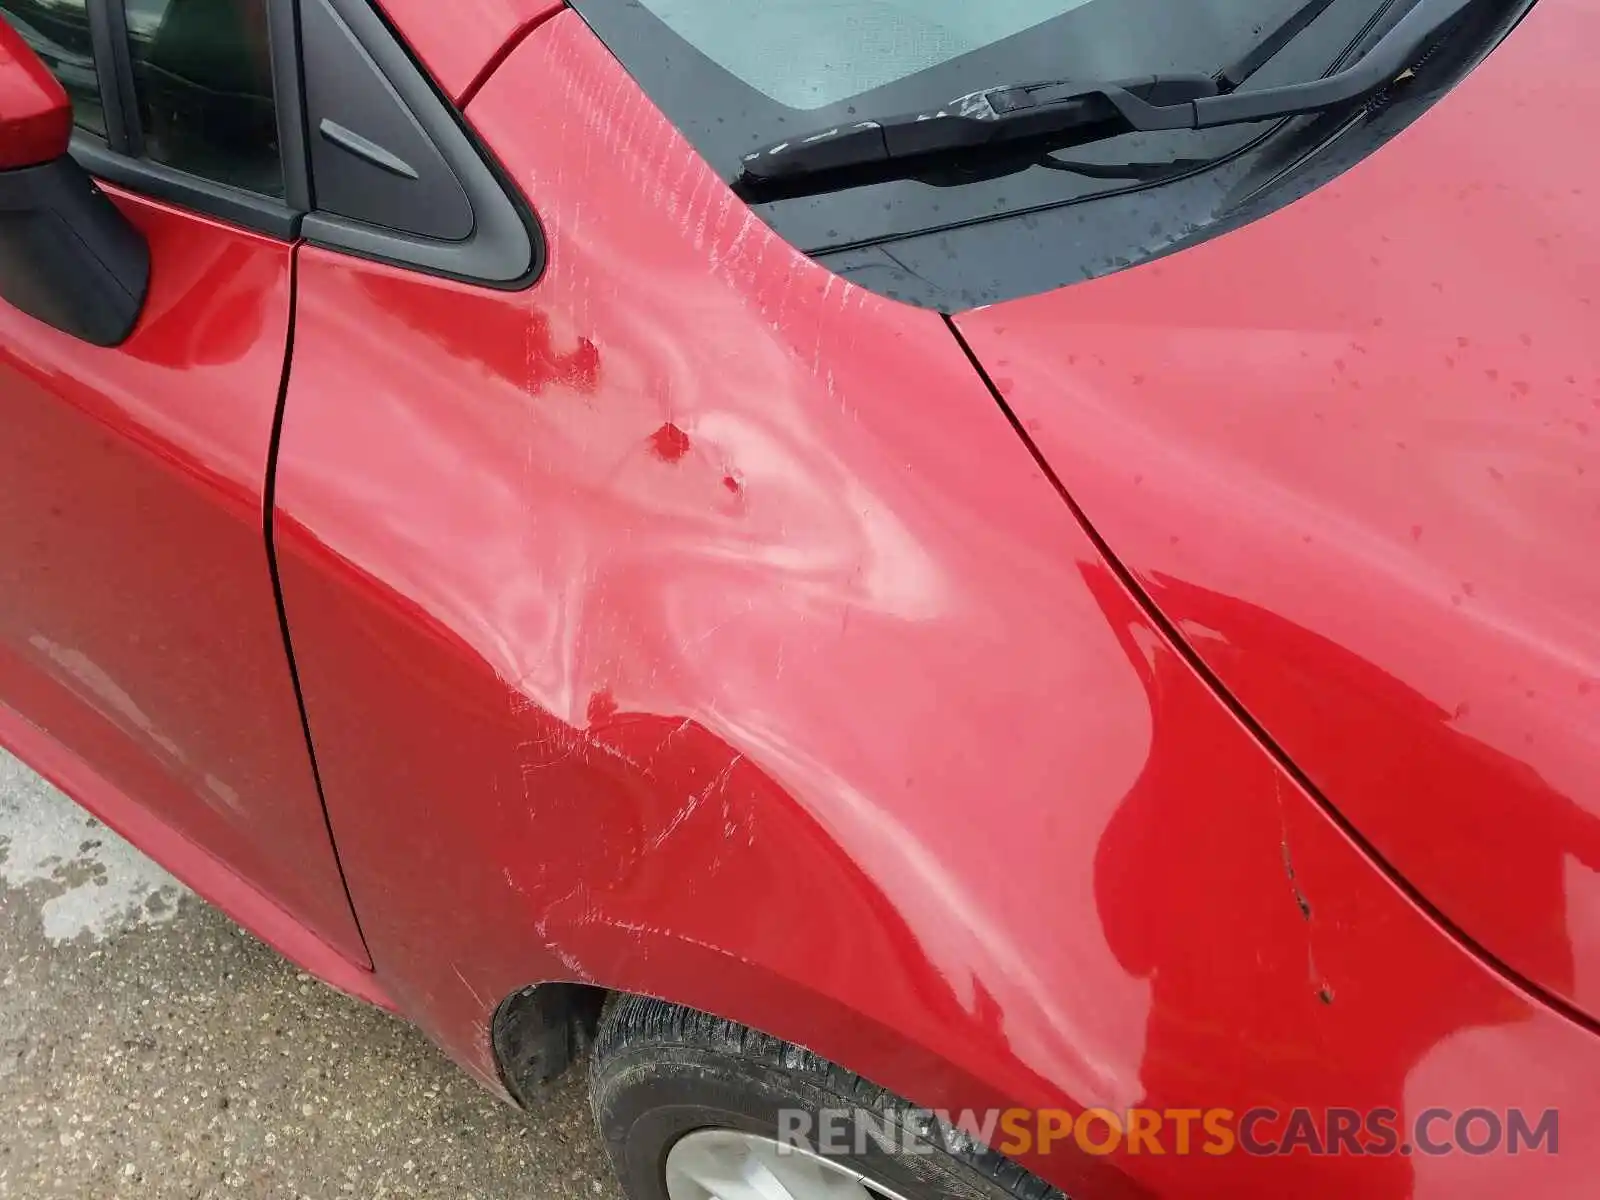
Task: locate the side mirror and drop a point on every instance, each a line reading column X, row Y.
column 68, row 255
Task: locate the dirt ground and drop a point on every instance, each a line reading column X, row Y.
column 150, row 1048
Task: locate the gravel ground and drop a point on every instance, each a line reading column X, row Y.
column 150, row 1048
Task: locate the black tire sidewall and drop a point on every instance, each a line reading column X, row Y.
column 649, row 1097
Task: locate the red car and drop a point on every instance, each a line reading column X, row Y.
column 667, row 523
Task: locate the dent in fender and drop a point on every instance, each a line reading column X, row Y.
column 695, row 624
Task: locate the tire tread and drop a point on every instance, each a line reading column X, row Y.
column 637, row 1024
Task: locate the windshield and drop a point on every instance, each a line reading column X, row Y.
column 809, row 53
column 736, row 76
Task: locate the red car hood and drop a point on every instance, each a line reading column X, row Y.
column 1352, row 451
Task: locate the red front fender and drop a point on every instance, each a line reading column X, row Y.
column 695, row 624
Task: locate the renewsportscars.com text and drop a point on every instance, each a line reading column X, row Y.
column 1180, row 1131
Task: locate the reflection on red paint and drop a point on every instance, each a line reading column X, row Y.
column 876, row 758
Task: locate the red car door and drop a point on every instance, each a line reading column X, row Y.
column 142, row 656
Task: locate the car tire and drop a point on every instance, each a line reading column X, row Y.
column 683, row 1099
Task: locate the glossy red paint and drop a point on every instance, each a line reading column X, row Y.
column 138, row 626
column 460, row 41
column 869, row 749
column 217, row 881
column 1352, row 452
column 35, row 116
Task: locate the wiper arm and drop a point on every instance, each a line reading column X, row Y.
column 1060, row 113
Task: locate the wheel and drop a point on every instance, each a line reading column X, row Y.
column 692, row 1107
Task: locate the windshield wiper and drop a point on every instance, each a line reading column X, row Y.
column 1057, row 114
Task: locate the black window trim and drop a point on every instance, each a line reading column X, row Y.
column 118, row 157
column 283, row 31
column 235, row 206
column 506, row 228
column 116, row 93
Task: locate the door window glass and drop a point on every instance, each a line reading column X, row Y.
column 202, row 72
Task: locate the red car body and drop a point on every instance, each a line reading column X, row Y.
column 1221, row 734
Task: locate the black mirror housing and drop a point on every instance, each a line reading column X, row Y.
column 69, row 256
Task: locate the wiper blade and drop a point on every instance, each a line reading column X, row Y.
column 1057, row 114
column 1230, row 77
